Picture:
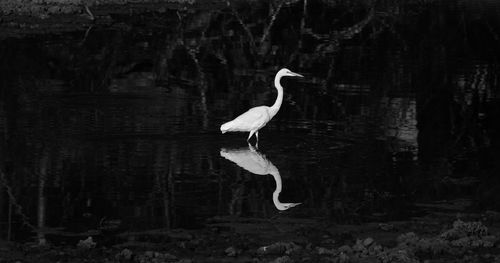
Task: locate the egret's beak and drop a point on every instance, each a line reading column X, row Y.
column 296, row 75
column 286, row 206
column 294, row 204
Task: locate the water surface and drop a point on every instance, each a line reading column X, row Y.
column 117, row 127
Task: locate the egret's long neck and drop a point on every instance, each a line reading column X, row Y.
column 277, row 104
column 277, row 191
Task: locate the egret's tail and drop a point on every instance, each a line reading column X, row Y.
column 225, row 127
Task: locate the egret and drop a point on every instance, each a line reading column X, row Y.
column 256, row 163
column 257, row 117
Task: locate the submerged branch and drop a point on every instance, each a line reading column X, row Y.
column 355, row 29
column 346, row 33
column 12, row 199
column 89, row 13
column 273, row 18
column 247, row 31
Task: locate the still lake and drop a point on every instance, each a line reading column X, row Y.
column 116, row 126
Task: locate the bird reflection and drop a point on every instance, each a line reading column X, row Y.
column 255, row 162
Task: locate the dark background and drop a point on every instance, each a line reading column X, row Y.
column 119, row 123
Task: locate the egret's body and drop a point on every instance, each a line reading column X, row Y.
column 256, row 163
column 255, row 118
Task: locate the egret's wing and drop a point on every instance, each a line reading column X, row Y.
column 253, row 119
column 251, row 161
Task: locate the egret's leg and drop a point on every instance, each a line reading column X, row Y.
column 257, row 136
column 250, row 135
column 251, row 147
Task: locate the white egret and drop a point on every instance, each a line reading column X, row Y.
column 256, row 163
column 256, row 118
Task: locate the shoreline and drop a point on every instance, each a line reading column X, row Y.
column 432, row 238
column 40, row 19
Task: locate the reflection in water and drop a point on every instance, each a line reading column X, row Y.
column 129, row 118
column 42, row 201
column 400, row 122
column 255, row 162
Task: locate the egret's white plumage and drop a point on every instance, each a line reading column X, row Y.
column 256, row 118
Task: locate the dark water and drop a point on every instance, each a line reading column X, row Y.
column 117, row 127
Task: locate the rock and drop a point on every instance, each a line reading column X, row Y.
column 86, row 244
column 358, row 247
column 375, row 249
column 386, row 227
column 231, row 252
column 125, row 254
column 345, row 249
column 343, row 258
column 368, row 241
column 284, row 259
column 167, row 256
column 279, row 248
column 323, row 251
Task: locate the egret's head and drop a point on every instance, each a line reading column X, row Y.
column 287, row 72
column 286, row 206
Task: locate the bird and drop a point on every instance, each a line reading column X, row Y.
column 253, row 161
column 257, row 117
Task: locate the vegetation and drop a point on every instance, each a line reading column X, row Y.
column 463, row 242
column 45, row 8
column 63, row 95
